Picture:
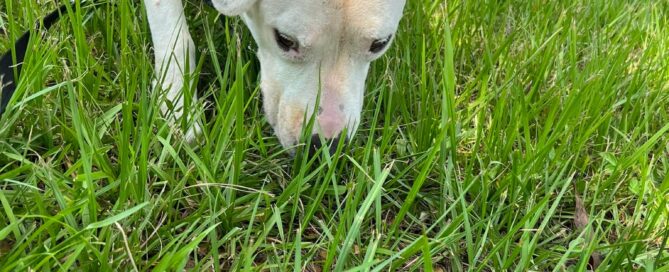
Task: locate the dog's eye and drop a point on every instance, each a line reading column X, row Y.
column 380, row 44
column 285, row 42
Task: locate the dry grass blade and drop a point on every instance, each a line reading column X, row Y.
column 581, row 221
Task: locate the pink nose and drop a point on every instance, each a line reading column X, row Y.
column 331, row 118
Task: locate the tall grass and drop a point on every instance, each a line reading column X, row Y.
column 482, row 125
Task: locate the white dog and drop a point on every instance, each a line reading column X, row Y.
column 307, row 49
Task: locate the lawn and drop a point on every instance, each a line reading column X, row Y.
column 496, row 135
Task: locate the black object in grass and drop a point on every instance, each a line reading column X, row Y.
column 7, row 65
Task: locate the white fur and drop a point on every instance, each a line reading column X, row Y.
column 334, row 36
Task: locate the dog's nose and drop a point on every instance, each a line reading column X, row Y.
column 316, row 144
column 331, row 119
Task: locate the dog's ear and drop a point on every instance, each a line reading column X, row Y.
column 232, row 7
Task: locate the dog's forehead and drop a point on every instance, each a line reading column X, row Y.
column 370, row 18
column 373, row 18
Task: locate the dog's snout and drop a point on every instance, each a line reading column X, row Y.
column 331, row 120
column 316, row 144
column 340, row 107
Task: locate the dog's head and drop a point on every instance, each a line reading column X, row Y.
column 310, row 49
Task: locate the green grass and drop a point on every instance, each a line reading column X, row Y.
column 481, row 125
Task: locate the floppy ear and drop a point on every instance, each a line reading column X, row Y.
column 232, row 7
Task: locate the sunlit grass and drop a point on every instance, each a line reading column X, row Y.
column 481, row 125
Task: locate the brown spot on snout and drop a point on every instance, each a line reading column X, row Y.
column 296, row 124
